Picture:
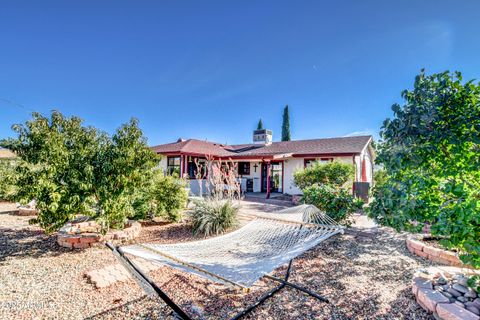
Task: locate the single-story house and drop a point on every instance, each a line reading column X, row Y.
column 267, row 166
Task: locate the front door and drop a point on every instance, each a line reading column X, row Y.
column 276, row 177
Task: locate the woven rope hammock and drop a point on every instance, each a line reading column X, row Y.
column 242, row 257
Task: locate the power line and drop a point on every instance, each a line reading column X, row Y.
column 16, row 104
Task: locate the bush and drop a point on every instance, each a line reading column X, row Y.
column 328, row 187
column 8, row 176
column 430, row 154
column 214, row 216
column 169, row 197
column 335, row 174
column 335, row 202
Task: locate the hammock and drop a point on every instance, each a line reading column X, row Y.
column 242, row 257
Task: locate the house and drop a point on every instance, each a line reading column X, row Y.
column 267, row 166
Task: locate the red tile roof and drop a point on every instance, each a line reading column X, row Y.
column 343, row 145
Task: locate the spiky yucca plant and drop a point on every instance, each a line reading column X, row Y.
column 210, row 216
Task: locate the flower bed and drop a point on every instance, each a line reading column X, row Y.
column 79, row 235
column 444, row 292
column 416, row 246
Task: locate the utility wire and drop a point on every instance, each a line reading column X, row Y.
column 15, row 104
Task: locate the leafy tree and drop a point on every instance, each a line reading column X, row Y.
column 55, row 167
column 430, row 153
column 260, row 125
column 286, row 125
column 71, row 169
column 123, row 168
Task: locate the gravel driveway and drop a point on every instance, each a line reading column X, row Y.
column 365, row 273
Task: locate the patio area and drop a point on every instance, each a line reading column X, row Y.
column 365, row 273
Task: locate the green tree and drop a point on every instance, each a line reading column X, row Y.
column 430, row 154
column 260, row 125
column 123, row 170
column 286, row 125
column 71, row 169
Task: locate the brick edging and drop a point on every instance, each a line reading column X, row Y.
column 86, row 234
column 433, row 301
column 420, row 248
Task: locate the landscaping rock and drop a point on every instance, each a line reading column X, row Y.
column 463, row 281
column 458, row 303
column 471, row 294
column 474, row 310
column 454, row 292
column 477, row 302
column 446, row 294
column 460, row 288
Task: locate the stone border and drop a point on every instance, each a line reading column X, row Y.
column 82, row 235
column 433, row 301
column 420, row 248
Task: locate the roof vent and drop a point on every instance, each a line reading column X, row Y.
column 180, row 140
column 262, row 136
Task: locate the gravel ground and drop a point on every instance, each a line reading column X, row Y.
column 365, row 273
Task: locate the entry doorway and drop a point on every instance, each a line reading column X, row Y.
column 276, row 176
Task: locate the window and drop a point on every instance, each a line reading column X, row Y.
column 244, row 168
column 173, row 166
column 309, row 162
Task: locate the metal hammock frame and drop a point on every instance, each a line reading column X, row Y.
column 311, row 218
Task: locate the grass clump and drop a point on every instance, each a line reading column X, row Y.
column 213, row 217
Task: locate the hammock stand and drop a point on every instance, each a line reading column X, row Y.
column 308, row 219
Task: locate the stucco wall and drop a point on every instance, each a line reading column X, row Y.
column 290, row 166
column 163, row 164
column 256, row 176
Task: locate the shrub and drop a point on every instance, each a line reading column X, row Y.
column 335, row 202
column 214, row 216
column 335, row 174
column 169, row 197
column 327, row 186
column 430, row 153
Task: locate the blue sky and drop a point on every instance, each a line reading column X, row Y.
column 211, row 69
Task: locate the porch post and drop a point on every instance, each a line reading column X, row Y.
column 182, row 166
column 268, row 180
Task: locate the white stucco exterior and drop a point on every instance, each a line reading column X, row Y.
column 363, row 163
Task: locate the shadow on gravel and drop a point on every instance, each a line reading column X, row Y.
column 20, row 243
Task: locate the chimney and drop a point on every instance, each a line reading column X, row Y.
column 262, row 136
